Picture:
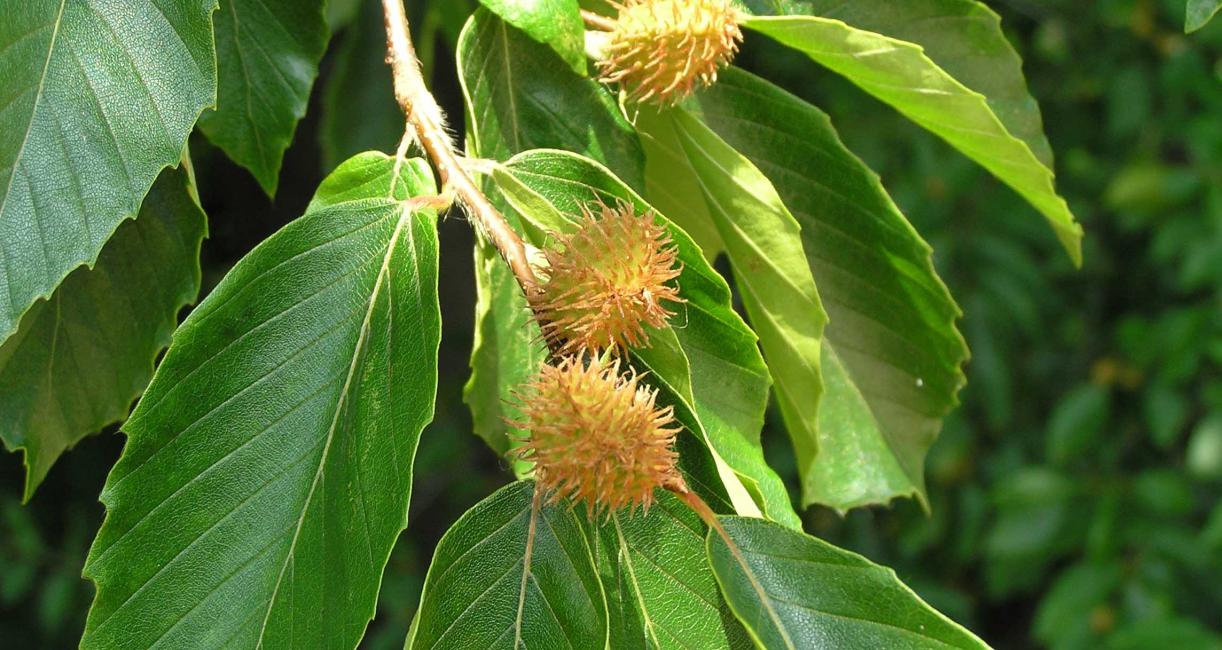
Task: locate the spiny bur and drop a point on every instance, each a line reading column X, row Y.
column 605, row 282
column 597, row 436
column 660, row 51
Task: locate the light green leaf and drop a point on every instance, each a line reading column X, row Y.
column 267, row 54
column 268, row 466
column 963, row 37
column 899, row 73
column 79, row 359
column 555, row 23
column 359, row 112
column 794, row 591
column 1199, row 13
column 764, row 244
column 520, row 96
column 660, row 591
column 98, row 97
column 891, row 354
column 505, row 576
column 708, row 359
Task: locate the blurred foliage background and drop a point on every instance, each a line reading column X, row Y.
column 1077, row 493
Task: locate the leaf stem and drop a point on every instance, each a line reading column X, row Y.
column 597, row 22
column 427, row 120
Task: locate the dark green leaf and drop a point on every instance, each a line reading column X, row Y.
column 79, row 359
column 1076, row 423
column 555, row 23
column 1064, row 615
column 1199, row 13
column 268, row 466
column 794, row 591
column 709, row 358
column 97, row 99
column 660, row 591
column 267, row 55
column 899, row 73
column 521, row 96
column 505, row 576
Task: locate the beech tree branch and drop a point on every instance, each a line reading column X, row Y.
column 597, row 22
column 427, row 120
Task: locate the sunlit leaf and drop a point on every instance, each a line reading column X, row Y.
column 555, row 23
column 98, row 98
column 891, row 354
column 899, row 73
column 764, row 244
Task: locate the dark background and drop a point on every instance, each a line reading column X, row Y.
column 1075, row 493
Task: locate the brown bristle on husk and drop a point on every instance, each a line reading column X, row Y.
column 661, row 50
column 606, row 282
column 597, row 436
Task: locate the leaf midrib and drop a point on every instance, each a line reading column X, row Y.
column 383, row 272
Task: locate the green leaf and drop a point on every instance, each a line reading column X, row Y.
column 708, row 359
column 794, row 591
column 520, row 96
column 97, row 100
column 268, row 466
column 1198, row 13
column 359, row 112
column 555, row 23
column 507, row 352
column 764, row 244
column 891, row 355
column 513, row 87
column 79, row 359
column 505, row 576
column 660, row 591
column 1076, row 424
column 963, row 37
column 899, row 73
column 267, row 54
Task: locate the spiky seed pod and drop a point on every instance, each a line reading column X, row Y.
column 596, row 436
column 661, row 50
column 606, row 281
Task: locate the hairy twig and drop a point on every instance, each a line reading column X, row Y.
column 597, row 22
column 427, row 120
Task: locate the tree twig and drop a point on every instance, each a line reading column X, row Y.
column 425, row 117
column 597, row 21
